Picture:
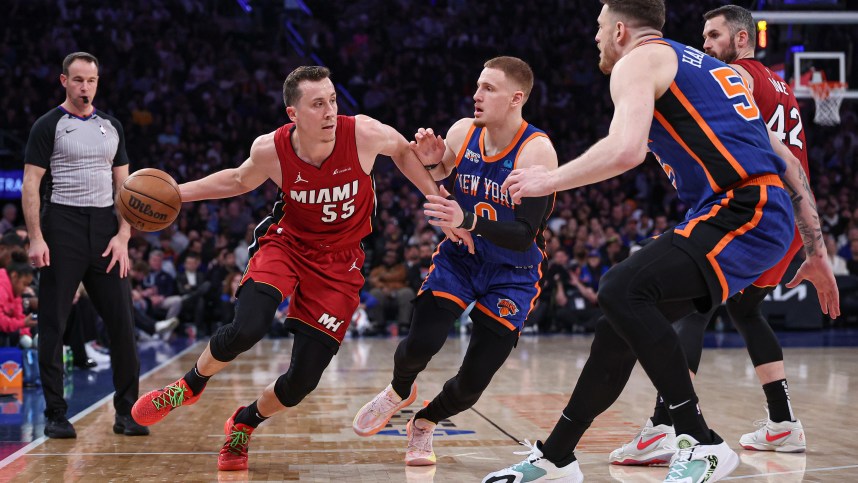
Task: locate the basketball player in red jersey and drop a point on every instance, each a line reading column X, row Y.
column 308, row 248
column 730, row 36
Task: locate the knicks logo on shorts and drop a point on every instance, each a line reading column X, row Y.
column 507, row 308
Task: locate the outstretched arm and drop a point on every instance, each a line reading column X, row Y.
column 374, row 138
column 255, row 170
column 633, row 92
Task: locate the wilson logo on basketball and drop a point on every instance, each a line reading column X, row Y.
column 507, row 307
column 145, row 208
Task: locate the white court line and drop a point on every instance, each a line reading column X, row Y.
column 256, row 451
column 37, row 442
column 812, row 470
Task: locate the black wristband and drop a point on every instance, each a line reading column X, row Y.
column 430, row 167
column 451, row 197
column 469, row 221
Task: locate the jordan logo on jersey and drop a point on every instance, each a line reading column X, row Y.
column 507, row 308
column 354, row 266
column 299, row 179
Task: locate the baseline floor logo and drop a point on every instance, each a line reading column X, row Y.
column 396, row 426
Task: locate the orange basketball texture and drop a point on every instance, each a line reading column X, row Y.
column 149, row 200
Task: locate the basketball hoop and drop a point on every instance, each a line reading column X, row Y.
column 828, row 96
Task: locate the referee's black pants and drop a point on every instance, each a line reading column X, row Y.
column 76, row 238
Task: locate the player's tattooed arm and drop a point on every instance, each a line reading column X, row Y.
column 803, row 203
column 811, row 232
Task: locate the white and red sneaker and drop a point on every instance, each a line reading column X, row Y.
column 785, row 437
column 652, row 446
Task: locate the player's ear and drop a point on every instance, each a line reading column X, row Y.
column 622, row 32
column 742, row 38
column 517, row 98
column 291, row 112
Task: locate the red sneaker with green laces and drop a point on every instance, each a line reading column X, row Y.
column 233, row 454
column 155, row 405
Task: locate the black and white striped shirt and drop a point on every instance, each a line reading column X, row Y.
column 79, row 154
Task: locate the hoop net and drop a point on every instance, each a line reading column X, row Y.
column 828, row 96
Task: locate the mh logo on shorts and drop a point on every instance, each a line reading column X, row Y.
column 507, row 308
column 330, row 322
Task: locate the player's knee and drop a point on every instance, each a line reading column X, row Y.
column 607, row 341
column 613, row 286
column 257, row 304
column 473, row 383
column 292, row 388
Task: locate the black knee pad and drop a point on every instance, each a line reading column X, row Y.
column 291, row 388
column 254, row 313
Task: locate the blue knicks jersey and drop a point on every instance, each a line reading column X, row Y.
column 478, row 184
column 707, row 132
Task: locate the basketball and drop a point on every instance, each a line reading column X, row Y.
column 149, row 200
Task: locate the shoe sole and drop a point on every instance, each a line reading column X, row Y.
column 728, row 467
column 420, row 462
column 656, row 461
column 404, row 404
column 788, row 448
column 231, row 467
column 62, row 436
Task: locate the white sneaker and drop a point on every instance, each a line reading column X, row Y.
column 652, row 446
column 536, row 468
column 696, row 463
column 93, row 353
column 785, row 437
column 165, row 327
column 374, row 415
column 419, row 452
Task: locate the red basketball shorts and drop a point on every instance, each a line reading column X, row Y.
column 324, row 284
column 773, row 276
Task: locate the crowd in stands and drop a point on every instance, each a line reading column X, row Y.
column 195, row 81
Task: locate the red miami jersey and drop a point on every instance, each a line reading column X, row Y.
column 779, row 108
column 325, row 207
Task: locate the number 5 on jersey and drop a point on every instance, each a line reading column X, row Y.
column 734, row 87
column 331, row 213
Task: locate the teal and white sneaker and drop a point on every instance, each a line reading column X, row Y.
column 536, row 468
column 699, row 463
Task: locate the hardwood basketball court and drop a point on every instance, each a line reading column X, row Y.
column 314, row 442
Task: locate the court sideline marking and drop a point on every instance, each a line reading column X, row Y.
column 37, row 442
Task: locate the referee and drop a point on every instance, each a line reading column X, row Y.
column 75, row 156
